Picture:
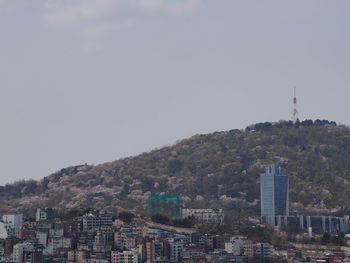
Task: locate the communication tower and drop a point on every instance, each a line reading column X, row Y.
column 295, row 107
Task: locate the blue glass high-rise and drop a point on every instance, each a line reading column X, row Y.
column 274, row 196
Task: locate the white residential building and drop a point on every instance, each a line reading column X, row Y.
column 3, row 231
column 42, row 238
column 235, row 246
column 263, row 250
column 56, row 232
column 13, row 222
column 96, row 220
column 205, row 216
column 176, row 250
column 18, row 251
column 57, row 243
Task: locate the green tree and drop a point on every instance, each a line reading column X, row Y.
column 126, row 217
column 160, row 219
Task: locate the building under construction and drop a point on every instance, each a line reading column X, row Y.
column 168, row 205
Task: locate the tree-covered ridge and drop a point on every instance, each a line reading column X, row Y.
column 220, row 169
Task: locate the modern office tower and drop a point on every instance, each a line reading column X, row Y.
column 274, row 196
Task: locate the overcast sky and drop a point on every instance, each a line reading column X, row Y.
column 90, row 81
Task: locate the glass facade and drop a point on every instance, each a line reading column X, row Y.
column 317, row 224
column 274, row 192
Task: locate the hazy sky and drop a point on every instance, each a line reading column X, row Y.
column 90, row 81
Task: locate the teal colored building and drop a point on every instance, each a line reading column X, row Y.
column 168, row 205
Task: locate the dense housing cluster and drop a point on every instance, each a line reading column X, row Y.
column 97, row 237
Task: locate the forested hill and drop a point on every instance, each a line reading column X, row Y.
column 220, row 169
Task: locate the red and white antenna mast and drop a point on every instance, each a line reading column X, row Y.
column 295, row 107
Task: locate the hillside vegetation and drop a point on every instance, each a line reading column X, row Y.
column 218, row 170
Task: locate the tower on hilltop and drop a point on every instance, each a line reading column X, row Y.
column 295, row 107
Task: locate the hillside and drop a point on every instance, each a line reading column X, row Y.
column 213, row 170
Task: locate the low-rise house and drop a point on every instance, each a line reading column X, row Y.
column 131, row 256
